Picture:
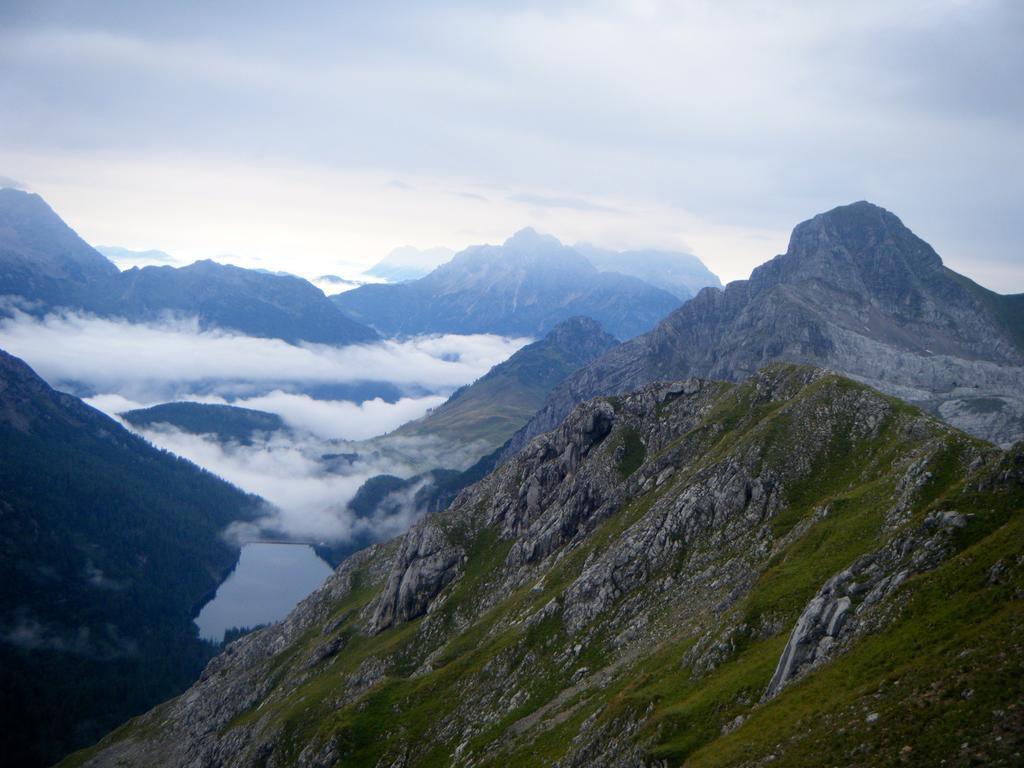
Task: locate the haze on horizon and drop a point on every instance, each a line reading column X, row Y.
column 319, row 139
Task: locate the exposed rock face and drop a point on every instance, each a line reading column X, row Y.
column 622, row 591
column 525, row 287
column 856, row 292
column 426, row 564
column 834, row 615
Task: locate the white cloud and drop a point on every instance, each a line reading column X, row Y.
column 155, row 363
column 341, row 419
column 689, row 118
column 309, row 492
column 297, row 470
column 288, row 473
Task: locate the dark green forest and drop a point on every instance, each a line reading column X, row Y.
column 227, row 422
column 108, row 547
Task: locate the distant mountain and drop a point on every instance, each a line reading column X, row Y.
column 41, row 258
column 107, row 548
column 681, row 274
column 228, row 423
column 491, row 409
column 524, row 287
column 127, row 257
column 857, row 292
column 409, row 263
column 46, row 265
column 223, row 296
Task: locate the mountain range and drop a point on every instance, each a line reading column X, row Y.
column 729, row 540
column 796, row 570
column 524, row 287
column 45, row 266
column 107, row 548
column 857, row 292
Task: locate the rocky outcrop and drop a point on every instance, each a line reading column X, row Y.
column 836, row 613
column 425, row 564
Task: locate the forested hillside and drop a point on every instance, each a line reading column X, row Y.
column 107, row 548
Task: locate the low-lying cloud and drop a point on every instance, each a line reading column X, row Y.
column 307, row 472
column 152, row 363
column 324, row 419
column 342, row 419
column 308, row 497
column 308, row 480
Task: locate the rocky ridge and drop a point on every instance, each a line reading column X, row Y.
column 784, row 570
column 856, row 292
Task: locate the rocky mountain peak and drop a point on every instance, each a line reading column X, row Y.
column 857, row 292
column 527, row 253
column 529, row 238
column 859, row 248
column 576, row 329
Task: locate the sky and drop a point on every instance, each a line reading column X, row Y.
column 315, row 139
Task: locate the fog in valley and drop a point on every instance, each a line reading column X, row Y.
column 306, row 472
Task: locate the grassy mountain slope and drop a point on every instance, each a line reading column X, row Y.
column 107, row 546
column 796, row 570
column 491, row 409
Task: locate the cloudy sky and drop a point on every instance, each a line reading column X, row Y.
column 315, row 137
